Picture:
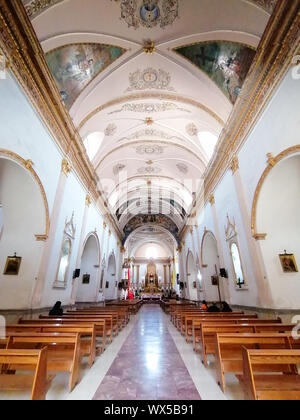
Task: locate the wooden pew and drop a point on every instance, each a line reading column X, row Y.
column 63, row 351
column 118, row 317
column 36, row 360
column 100, row 325
column 229, row 351
column 208, row 331
column 180, row 316
column 87, row 335
column 123, row 311
column 188, row 319
column 3, row 343
column 271, row 386
column 196, row 330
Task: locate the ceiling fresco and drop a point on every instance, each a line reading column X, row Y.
column 75, row 66
column 226, row 63
column 151, row 219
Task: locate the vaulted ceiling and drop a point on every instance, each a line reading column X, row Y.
column 149, row 86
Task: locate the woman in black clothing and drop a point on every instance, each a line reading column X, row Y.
column 213, row 308
column 56, row 310
column 226, row 307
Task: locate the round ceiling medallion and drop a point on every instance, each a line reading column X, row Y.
column 149, row 12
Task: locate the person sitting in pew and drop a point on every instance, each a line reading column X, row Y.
column 204, row 305
column 57, row 310
column 213, row 308
column 226, row 308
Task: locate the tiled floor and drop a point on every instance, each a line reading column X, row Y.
column 149, row 365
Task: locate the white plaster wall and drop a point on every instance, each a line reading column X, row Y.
column 24, row 217
column 161, row 251
column 278, row 215
column 277, row 130
column 23, row 133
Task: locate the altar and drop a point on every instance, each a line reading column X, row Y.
column 148, row 297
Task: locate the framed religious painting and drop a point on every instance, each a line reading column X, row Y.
column 288, row 263
column 12, row 266
column 86, row 279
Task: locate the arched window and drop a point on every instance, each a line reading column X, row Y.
column 65, row 255
column 237, row 265
column 64, row 261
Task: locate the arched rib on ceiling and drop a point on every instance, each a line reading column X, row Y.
column 149, row 234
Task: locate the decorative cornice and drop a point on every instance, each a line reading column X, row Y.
column 275, row 53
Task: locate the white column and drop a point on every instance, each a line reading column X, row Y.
column 264, row 292
column 54, row 219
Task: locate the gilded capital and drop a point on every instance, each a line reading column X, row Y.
column 271, row 159
column 88, row 200
column 212, row 200
column 234, row 166
column 65, row 167
column 28, row 164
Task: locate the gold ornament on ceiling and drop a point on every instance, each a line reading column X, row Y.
column 149, row 47
column 149, row 121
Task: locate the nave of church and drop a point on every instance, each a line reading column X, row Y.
column 149, row 200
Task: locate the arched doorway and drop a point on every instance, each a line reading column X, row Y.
column 277, row 216
column 211, row 267
column 110, row 281
column 87, row 290
column 23, row 224
column 191, row 270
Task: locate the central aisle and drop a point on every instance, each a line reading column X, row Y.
column 148, row 366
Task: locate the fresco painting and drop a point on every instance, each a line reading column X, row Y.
column 74, row 66
column 226, row 63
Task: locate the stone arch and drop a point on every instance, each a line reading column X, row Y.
column 28, row 165
column 88, row 286
column 191, row 272
column 110, row 279
column 272, row 162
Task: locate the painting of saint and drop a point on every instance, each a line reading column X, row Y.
column 75, row 66
column 288, row 263
column 226, row 63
